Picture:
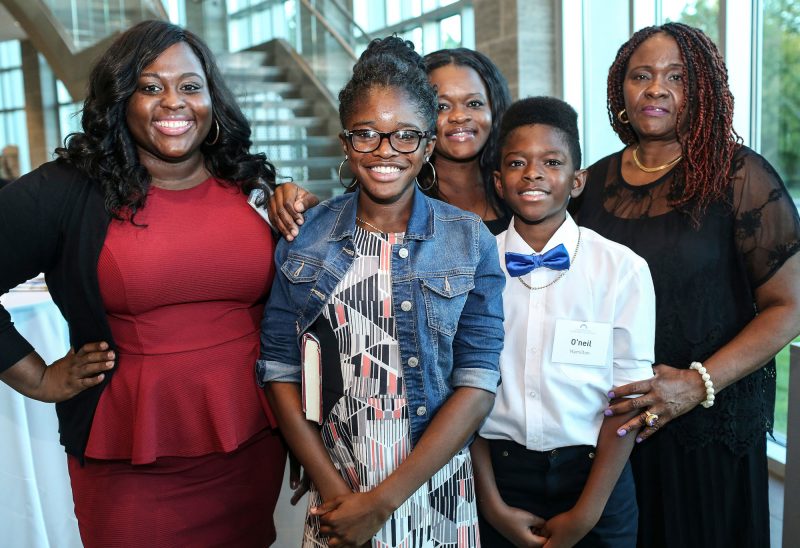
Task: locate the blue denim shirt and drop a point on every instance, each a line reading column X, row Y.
column 447, row 290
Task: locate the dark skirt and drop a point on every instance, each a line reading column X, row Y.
column 705, row 497
column 221, row 499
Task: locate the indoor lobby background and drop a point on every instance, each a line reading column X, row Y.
column 286, row 61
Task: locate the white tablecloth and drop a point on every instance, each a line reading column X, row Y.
column 36, row 508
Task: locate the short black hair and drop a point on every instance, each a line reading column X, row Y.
column 549, row 111
column 390, row 62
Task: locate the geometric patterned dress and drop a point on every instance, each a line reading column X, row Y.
column 367, row 433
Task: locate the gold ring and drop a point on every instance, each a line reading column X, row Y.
column 650, row 419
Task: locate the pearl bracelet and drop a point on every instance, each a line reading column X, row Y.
column 709, row 401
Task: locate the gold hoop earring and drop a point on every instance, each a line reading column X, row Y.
column 339, row 171
column 433, row 181
column 622, row 113
column 216, row 137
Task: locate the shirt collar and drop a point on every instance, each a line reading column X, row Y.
column 420, row 224
column 566, row 234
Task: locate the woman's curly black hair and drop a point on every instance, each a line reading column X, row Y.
column 390, row 62
column 499, row 100
column 106, row 152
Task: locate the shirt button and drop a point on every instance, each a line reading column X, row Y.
column 403, row 252
column 533, row 394
column 421, row 410
column 405, row 306
column 413, row 362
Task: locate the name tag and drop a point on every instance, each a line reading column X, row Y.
column 581, row 343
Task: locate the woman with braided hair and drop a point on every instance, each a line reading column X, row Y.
column 721, row 234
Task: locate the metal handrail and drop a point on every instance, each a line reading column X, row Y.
column 350, row 20
column 336, row 36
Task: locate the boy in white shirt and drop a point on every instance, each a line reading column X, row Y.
column 550, row 469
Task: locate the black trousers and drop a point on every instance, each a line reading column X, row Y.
column 548, row 483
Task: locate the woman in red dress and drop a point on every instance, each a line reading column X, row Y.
column 161, row 269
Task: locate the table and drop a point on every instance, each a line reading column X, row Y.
column 36, row 508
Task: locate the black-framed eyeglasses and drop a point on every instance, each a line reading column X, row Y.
column 403, row 140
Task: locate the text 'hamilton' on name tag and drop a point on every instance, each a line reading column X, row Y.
column 581, row 343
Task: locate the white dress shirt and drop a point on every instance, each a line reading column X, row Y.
column 545, row 404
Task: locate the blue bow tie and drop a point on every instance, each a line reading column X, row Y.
column 519, row 264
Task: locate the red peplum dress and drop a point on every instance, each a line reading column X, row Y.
column 182, row 450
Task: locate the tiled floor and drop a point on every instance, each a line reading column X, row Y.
column 289, row 519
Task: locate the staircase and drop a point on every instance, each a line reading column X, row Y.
column 294, row 118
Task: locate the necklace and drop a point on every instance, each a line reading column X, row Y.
column 652, row 169
column 563, row 272
column 372, row 226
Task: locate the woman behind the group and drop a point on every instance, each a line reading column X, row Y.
column 404, row 292
column 160, row 268
column 720, row 234
column 473, row 95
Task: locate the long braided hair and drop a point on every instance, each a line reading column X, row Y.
column 709, row 141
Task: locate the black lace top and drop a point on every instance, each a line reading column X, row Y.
column 704, row 277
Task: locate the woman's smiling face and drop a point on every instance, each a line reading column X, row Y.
column 465, row 116
column 169, row 115
column 386, row 175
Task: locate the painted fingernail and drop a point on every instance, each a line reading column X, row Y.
column 611, row 395
column 639, row 439
column 621, row 432
column 608, row 412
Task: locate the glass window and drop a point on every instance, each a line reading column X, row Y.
column 69, row 112
column 780, row 127
column 450, row 32
column 13, row 126
column 703, row 14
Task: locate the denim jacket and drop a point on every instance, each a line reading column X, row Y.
column 447, row 290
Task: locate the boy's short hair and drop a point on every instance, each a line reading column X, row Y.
column 548, row 111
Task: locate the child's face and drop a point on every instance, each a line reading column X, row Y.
column 537, row 175
column 386, row 175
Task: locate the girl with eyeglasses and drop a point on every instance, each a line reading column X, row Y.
column 403, row 293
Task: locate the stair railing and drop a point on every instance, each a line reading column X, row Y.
column 329, row 40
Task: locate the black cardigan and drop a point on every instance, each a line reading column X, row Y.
column 53, row 220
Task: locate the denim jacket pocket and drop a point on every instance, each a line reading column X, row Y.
column 299, row 269
column 445, row 297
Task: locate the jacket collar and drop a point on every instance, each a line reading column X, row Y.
column 420, row 224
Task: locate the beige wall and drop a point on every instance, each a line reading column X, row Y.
column 522, row 37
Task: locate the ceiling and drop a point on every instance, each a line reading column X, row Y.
column 9, row 28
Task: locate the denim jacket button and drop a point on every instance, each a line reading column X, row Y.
column 421, row 410
column 413, row 362
column 405, row 306
column 403, row 252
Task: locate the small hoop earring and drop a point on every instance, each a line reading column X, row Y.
column 433, row 181
column 216, row 137
column 339, row 171
column 622, row 113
